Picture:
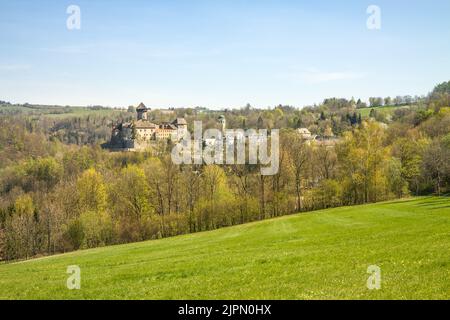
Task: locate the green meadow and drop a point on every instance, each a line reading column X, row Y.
column 386, row 110
column 58, row 112
column 318, row 255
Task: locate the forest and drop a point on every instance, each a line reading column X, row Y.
column 61, row 191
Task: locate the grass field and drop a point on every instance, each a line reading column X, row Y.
column 387, row 110
column 317, row 255
column 58, row 112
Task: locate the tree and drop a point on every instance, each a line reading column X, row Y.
column 163, row 180
column 191, row 176
column 96, row 229
column 242, row 181
column 387, row 101
column 91, row 191
column 41, row 172
column 409, row 154
column 436, row 163
column 21, row 229
column 322, row 116
column 299, row 154
column 74, row 234
column 130, row 197
column 363, row 157
column 397, row 182
column 215, row 198
column 360, row 104
column 95, row 221
column 440, row 96
column 328, row 133
column 260, row 124
column 155, row 179
column 354, row 119
column 328, row 194
column 325, row 160
column 398, row 100
column 376, row 102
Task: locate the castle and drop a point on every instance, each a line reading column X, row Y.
column 139, row 134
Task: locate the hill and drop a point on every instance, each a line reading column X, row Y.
column 323, row 254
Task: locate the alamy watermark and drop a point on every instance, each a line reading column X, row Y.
column 374, row 280
column 74, row 280
column 374, row 20
column 73, row 22
column 229, row 147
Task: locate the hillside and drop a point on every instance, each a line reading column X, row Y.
column 323, row 254
column 385, row 110
column 59, row 112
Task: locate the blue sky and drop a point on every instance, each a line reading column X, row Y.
column 220, row 53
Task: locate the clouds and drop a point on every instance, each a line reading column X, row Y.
column 14, row 67
column 316, row 76
column 320, row 76
column 73, row 49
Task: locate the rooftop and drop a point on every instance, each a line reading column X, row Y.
column 303, row 131
column 144, row 124
column 141, row 107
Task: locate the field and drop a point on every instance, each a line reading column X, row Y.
column 58, row 112
column 386, row 110
column 318, row 255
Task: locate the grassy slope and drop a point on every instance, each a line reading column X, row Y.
column 322, row 254
column 387, row 110
column 59, row 112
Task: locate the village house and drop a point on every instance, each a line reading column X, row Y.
column 305, row 134
column 327, row 139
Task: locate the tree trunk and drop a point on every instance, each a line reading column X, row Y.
column 298, row 187
column 263, row 204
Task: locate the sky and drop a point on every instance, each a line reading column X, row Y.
column 220, row 53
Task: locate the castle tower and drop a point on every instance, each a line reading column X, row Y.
column 181, row 125
column 223, row 123
column 142, row 112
